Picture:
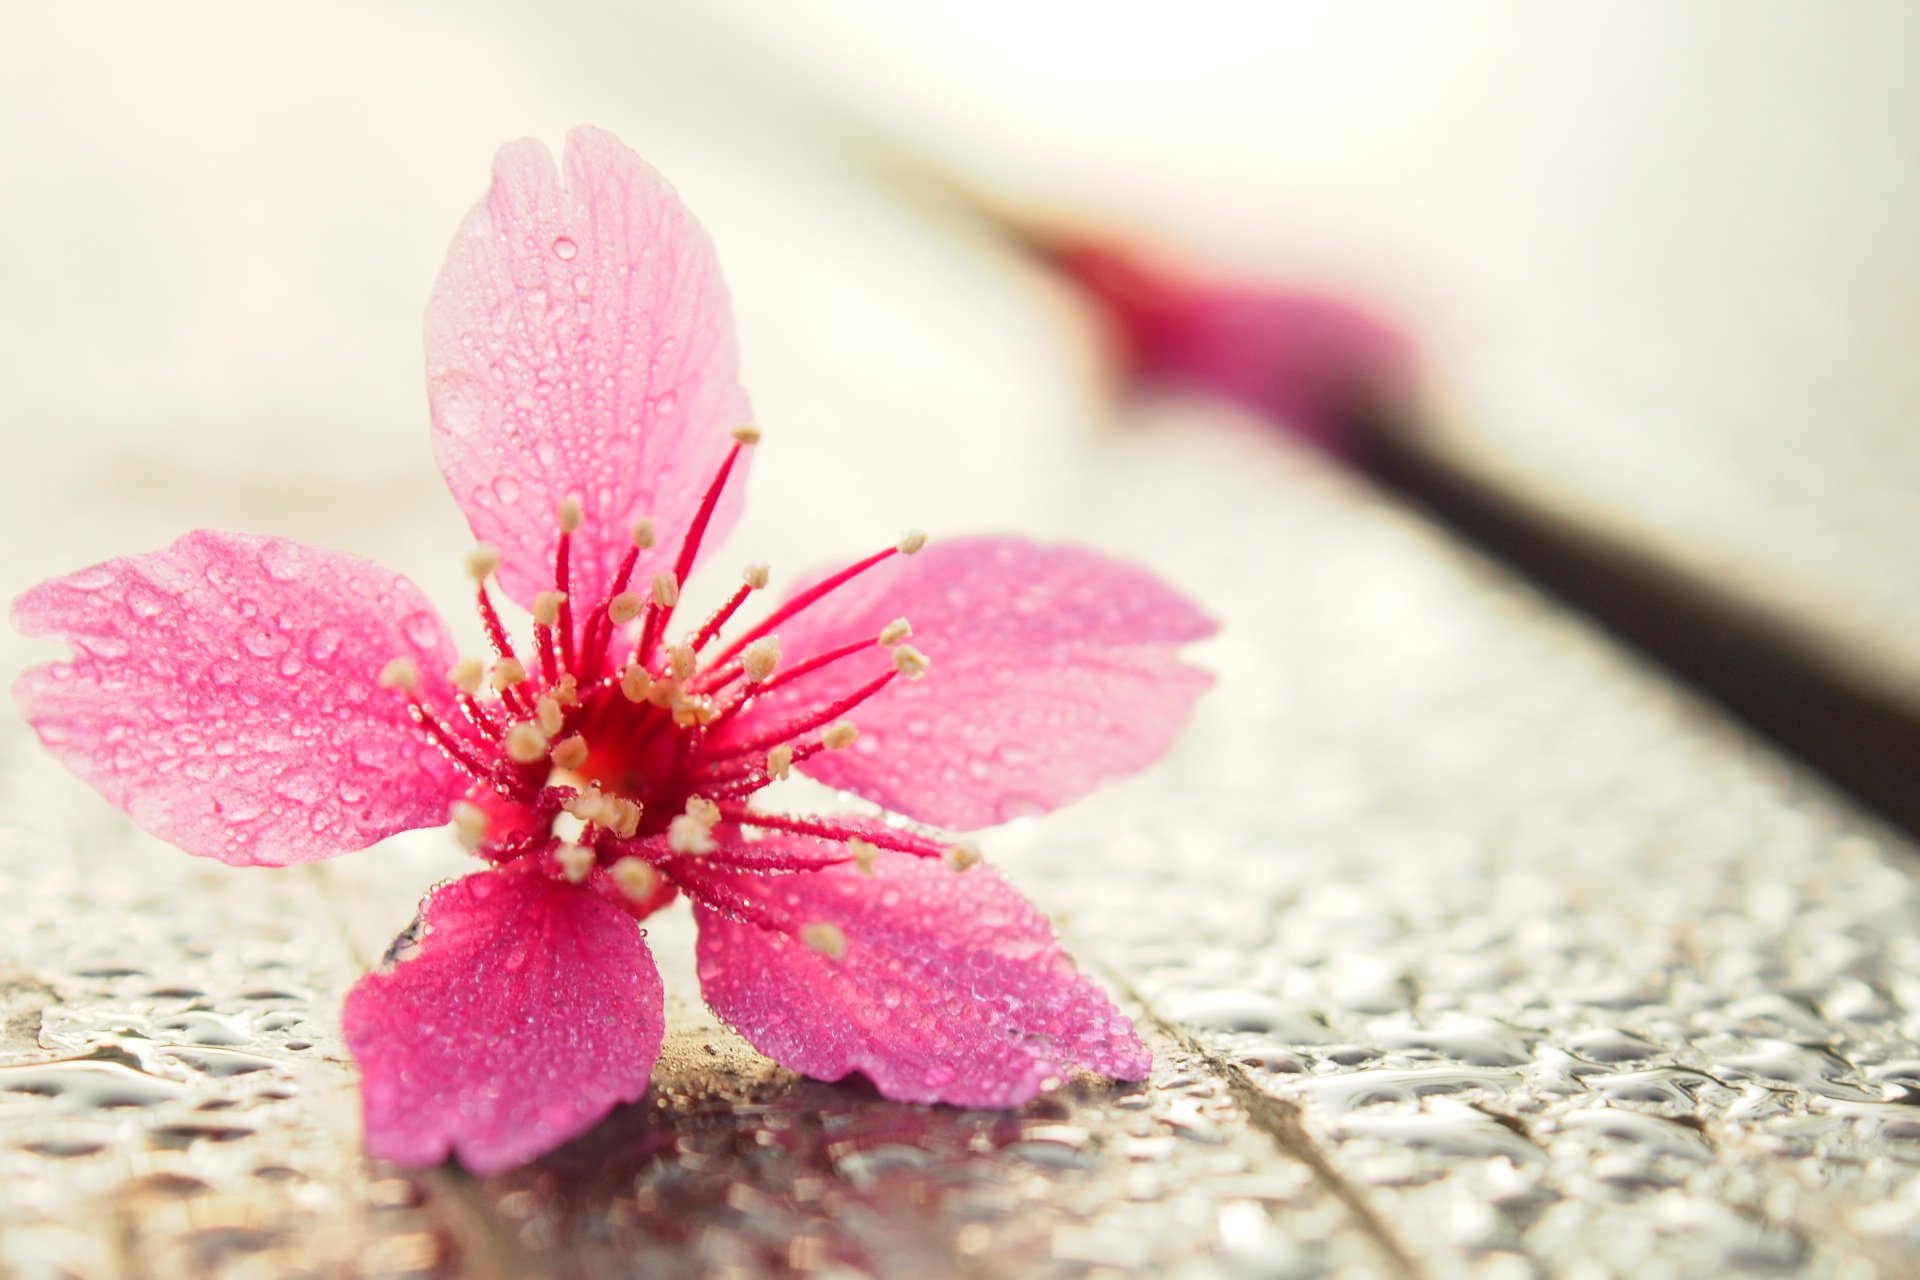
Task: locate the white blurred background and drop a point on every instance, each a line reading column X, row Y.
column 1662, row 257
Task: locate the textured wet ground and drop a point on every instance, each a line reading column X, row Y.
column 1467, row 950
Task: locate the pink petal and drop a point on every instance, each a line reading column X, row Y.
column 1054, row 669
column 531, row 1008
column 224, row 693
column 951, row 987
column 580, row 342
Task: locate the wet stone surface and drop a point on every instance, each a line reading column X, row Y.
column 1466, row 950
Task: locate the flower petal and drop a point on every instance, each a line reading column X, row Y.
column 1053, row 670
column 950, row 987
column 580, row 342
column 224, row 693
column 529, row 1010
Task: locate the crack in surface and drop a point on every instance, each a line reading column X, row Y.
column 1280, row 1121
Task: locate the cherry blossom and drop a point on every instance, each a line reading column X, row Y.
column 264, row 702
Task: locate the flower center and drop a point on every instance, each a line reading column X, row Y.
column 608, row 720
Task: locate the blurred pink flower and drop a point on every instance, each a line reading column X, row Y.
column 265, row 702
column 1318, row 365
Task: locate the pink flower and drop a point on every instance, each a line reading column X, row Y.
column 1329, row 372
column 265, row 702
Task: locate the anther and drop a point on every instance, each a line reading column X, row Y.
column 839, row 735
column 467, row 675
column 625, row 607
column 482, row 561
column 894, row 632
column 575, row 862
column 680, row 661
column 663, row 693
column 548, row 715
column 643, row 533
column 569, row 514
column 625, row 815
column 469, row 824
column 526, row 744
column 635, row 682
column 401, row 673
column 864, row 855
column 666, row 589
column 635, row 879
column 570, row 752
column 703, row 810
column 688, row 835
column 546, row 607
column 824, row 938
column 757, row 576
column 780, row 762
column 760, row 658
column 507, row 673
column 910, row 662
column 962, row 856
column 698, row 709
column 748, row 436
column 912, row 541
column 566, row 691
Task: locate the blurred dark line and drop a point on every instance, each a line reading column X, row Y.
column 1777, row 683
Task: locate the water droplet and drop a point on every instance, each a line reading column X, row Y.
column 565, row 249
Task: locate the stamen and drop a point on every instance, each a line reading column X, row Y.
column 566, row 691
column 452, row 744
column 839, row 736
column 467, row 674
column 807, row 723
column 912, row 541
column 635, row 878
column 666, row 589
column 569, row 515
column 570, row 752
column 720, row 677
column 469, row 825
column 546, row 607
column 479, row 717
column 812, row 594
column 635, row 683
column 575, row 862
column 401, row 673
column 681, row 662
column 910, row 662
column 760, row 658
column 865, row 854
column 840, row 830
column 780, row 762
column 896, row 631
column 548, row 715
column 757, row 576
column 507, row 673
column 748, row 436
column 703, row 810
column 642, row 534
column 525, row 743
column 711, row 627
column 482, row 561
column 962, row 856
column 825, row 938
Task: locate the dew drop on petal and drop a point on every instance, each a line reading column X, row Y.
column 565, row 249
